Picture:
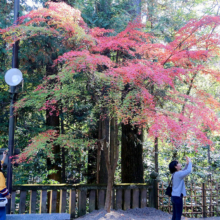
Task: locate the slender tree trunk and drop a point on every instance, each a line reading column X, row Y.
column 92, row 159
column 156, row 154
column 113, row 139
column 64, row 151
column 99, row 151
column 52, row 120
column 111, row 161
column 109, row 190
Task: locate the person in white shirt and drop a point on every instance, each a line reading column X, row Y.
column 178, row 186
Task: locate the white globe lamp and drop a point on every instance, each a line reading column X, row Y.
column 13, row 77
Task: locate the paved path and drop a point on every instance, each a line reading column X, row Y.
column 67, row 217
column 212, row 218
column 38, row 217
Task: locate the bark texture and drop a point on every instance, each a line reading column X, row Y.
column 131, row 155
column 111, row 159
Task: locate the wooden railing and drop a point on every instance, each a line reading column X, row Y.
column 77, row 200
column 202, row 200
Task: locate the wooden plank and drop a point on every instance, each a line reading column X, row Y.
column 13, row 194
column 33, row 201
column 118, row 199
column 26, row 187
column 101, row 199
column 72, row 204
column 135, row 200
column 43, row 202
column 143, row 198
column 53, row 201
column 82, row 202
column 62, row 206
column 92, row 200
column 127, row 199
column 22, row 202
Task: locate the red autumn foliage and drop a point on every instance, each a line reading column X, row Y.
column 182, row 116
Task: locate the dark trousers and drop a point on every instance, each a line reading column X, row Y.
column 177, row 202
column 2, row 211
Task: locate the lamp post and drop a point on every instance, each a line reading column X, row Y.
column 13, row 77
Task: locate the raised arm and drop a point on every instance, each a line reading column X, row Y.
column 187, row 170
column 185, row 167
column 3, row 158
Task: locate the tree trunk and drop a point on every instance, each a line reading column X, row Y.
column 110, row 183
column 113, row 139
column 156, row 154
column 92, row 160
column 102, row 176
column 64, row 151
column 92, row 157
column 52, row 120
column 111, row 162
column 132, row 170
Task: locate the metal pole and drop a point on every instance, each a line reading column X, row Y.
column 10, row 148
column 15, row 46
column 12, row 118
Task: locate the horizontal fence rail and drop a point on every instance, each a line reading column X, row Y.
column 202, row 200
column 77, row 200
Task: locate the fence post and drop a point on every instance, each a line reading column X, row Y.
column 153, row 193
column 204, row 214
column 82, row 192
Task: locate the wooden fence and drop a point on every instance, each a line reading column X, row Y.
column 77, row 200
column 202, row 200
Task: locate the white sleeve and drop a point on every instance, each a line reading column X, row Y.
column 185, row 172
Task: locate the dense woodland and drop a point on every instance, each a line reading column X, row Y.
column 109, row 95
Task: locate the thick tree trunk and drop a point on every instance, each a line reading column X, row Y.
column 102, row 176
column 92, row 160
column 132, row 170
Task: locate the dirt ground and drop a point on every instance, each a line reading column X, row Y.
column 135, row 214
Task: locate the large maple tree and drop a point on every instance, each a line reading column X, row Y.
column 162, row 97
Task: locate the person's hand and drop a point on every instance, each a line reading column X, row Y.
column 187, row 160
column 8, row 196
column 5, row 153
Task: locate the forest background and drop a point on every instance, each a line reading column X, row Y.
column 62, row 142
